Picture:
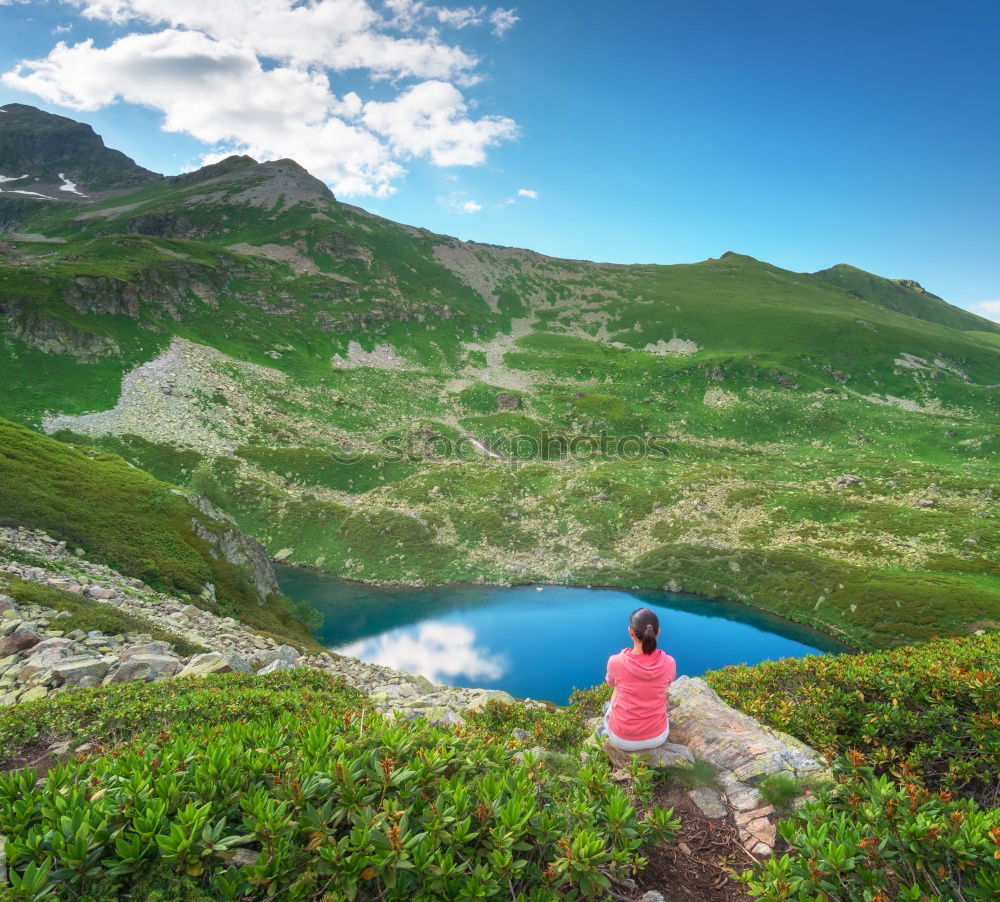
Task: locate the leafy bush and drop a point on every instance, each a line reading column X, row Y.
column 114, row 714
column 346, row 807
column 550, row 727
column 880, row 840
column 932, row 710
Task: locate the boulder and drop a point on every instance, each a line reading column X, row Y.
column 732, row 741
column 33, row 694
column 43, row 661
column 485, row 695
column 277, row 665
column 101, row 593
column 849, row 479
column 145, row 668
column 215, row 662
column 144, row 648
column 708, row 801
column 268, row 656
column 21, row 639
column 71, row 671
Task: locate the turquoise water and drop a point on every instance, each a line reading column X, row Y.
column 536, row 641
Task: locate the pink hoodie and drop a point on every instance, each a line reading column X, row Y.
column 639, row 704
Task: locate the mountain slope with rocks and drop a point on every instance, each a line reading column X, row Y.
column 344, row 386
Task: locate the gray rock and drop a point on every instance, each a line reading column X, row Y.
column 215, row 662
column 144, row 648
column 21, row 639
column 652, row 896
column 732, row 741
column 268, row 656
column 71, row 671
column 848, row 480
column 33, row 694
column 99, row 592
column 42, row 663
column 670, row 754
column 485, row 695
column 276, row 666
column 520, row 735
column 708, row 801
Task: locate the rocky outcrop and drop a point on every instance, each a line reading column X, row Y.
column 731, row 741
column 53, row 335
column 226, row 541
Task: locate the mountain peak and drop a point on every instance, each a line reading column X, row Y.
column 54, row 151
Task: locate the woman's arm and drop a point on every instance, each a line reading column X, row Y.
column 609, row 677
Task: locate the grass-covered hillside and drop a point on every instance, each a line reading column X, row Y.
column 123, row 517
column 389, row 404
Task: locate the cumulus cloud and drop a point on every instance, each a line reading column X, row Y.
column 987, row 309
column 254, row 77
column 503, row 20
column 431, row 119
column 470, row 206
column 527, row 192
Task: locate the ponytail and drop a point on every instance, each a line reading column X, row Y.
column 644, row 625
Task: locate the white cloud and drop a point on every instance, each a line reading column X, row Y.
column 253, row 76
column 527, row 192
column 460, row 202
column 503, row 20
column 430, row 119
column 462, row 17
column 987, row 309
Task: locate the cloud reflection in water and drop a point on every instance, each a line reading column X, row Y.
column 439, row 651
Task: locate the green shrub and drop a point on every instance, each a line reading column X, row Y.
column 780, row 789
column 550, row 727
column 338, row 807
column 932, row 710
column 880, row 840
column 114, row 714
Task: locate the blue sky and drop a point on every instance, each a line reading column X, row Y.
column 802, row 132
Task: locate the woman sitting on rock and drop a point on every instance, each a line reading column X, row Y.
column 636, row 716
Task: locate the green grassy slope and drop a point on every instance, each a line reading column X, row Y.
column 125, row 518
column 330, row 374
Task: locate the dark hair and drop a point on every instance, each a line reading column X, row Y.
column 645, row 625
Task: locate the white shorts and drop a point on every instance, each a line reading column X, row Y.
column 633, row 745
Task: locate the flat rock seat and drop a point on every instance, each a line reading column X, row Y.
column 742, row 750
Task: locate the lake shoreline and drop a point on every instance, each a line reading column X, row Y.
column 536, row 641
column 828, row 632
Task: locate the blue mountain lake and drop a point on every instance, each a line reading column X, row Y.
column 535, row 641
